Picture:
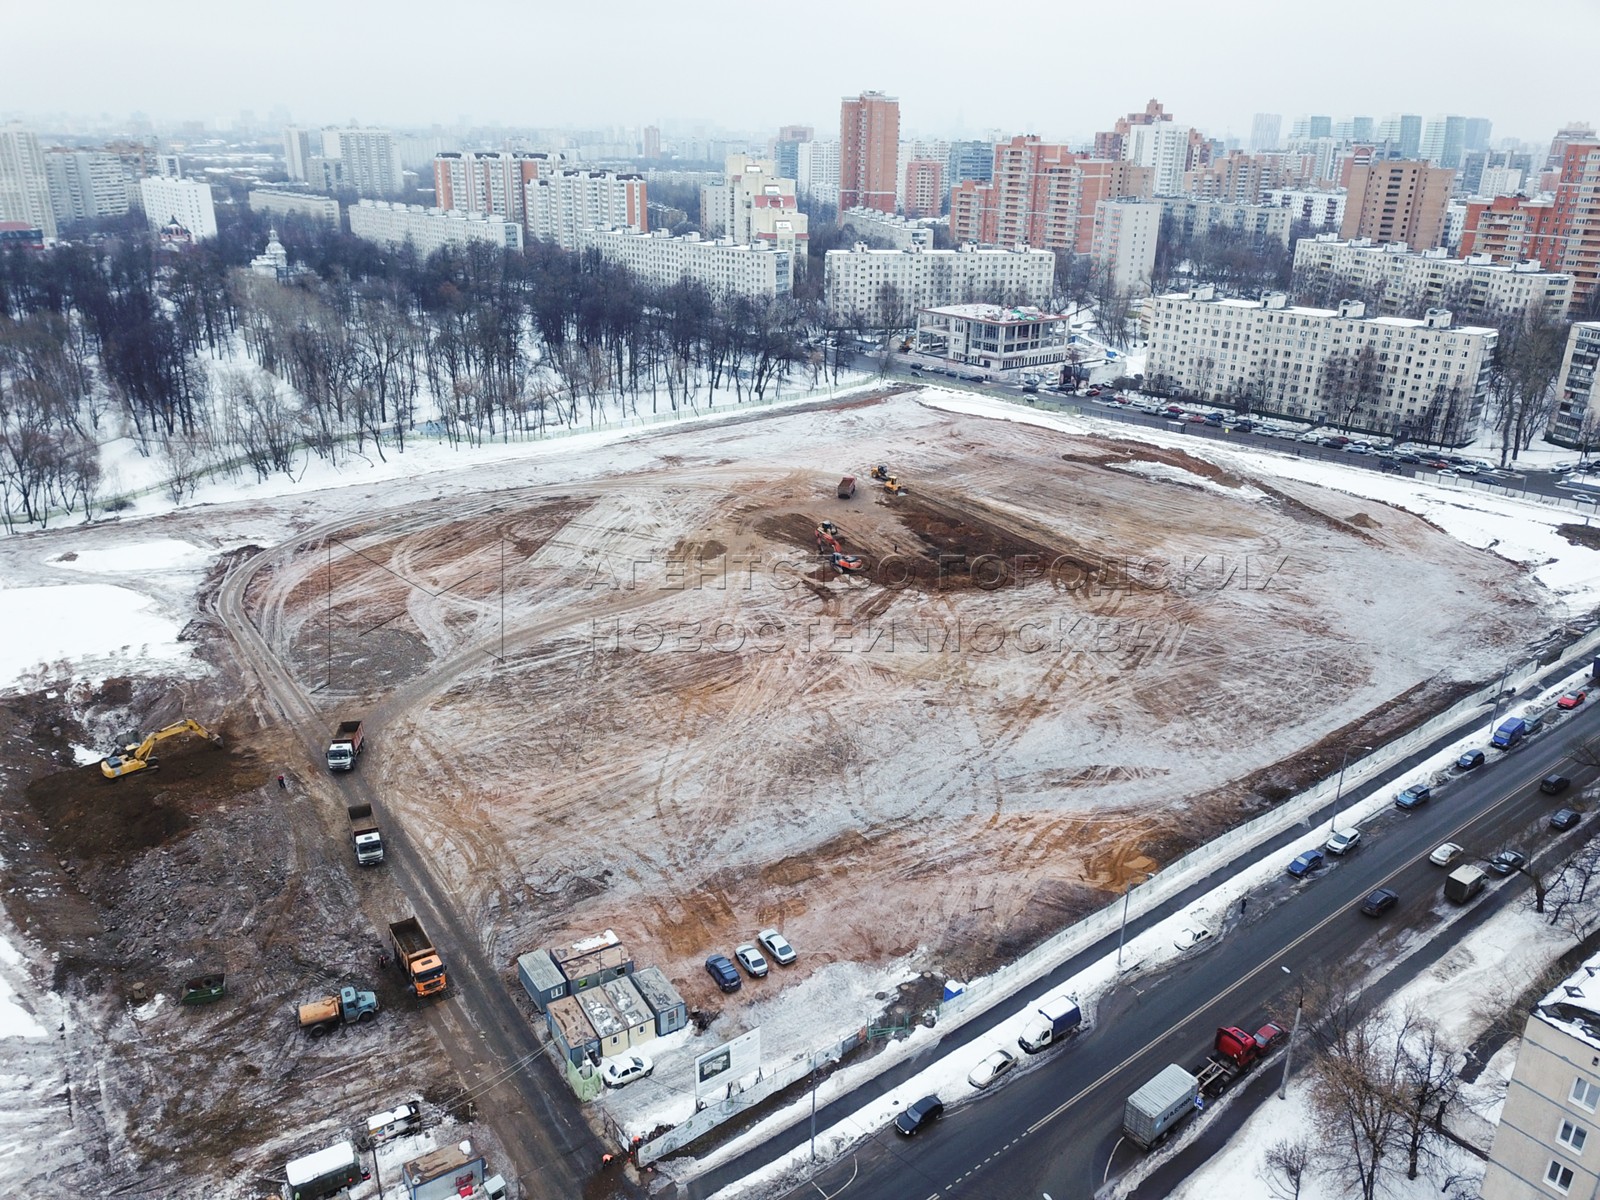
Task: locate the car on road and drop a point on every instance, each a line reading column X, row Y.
column 623, row 1070
column 1414, row 796
column 991, row 1068
column 1306, row 863
column 1445, row 854
column 1506, row 861
column 751, row 960
column 1380, row 902
column 1470, row 761
column 1554, row 785
column 777, row 946
column 1269, row 1035
column 1414, row 460
column 1572, row 699
column 1188, row 939
column 1565, row 819
column 724, row 973
column 1343, row 842
column 917, row 1117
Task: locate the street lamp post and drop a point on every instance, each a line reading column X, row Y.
column 1294, row 1032
column 1499, row 695
column 1122, row 932
column 1338, row 789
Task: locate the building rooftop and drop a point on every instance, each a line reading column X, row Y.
column 1574, row 1005
column 428, row 1167
column 657, row 990
column 997, row 314
column 627, row 1001
column 572, row 1022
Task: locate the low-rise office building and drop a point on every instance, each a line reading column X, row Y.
column 994, row 338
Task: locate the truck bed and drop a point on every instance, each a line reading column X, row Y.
column 409, row 939
column 319, row 1011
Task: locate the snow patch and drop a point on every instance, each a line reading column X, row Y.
column 98, row 628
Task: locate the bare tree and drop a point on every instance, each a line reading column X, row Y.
column 1285, row 1165
column 1428, row 1085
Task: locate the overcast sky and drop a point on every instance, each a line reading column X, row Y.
column 1049, row 67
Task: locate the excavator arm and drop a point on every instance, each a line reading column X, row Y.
column 138, row 758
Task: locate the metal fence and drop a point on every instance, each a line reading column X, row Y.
column 726, row 1109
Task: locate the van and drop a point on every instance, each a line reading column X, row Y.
column 395, row 1122
column 1463, row 884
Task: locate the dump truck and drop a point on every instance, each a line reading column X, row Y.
column 347, row 1007
column 345, row 746
column 1053, row 1021
column 365, row 836
column 140, row 756
column 418, row 961
column 323, row 1174
column 1511, row 731
column 847, row 487
column 1157, row 1108
column 1463, row 884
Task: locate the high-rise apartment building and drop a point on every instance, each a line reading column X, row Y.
column 85, row 184
column 1477, row 133
column 1578, row 131
column 1124, row 245
column 566, row 204
column 1166, row 149
column 371, row 161
column 817, row 172
column 184, row 202
column 1265, row 131
column 754, row 206
column 1398, row 202
column 786, row 149
column 494, row 182
column 924, row 189
column 869, row 151
column 300, row 146
column 650, row 142
column 970, row 160
column 1561, row 231
column 24, row 185
column 1575, row 420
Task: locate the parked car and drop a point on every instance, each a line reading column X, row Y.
column 1565, row 819
column 991, row 1068
column 1414, row 796
column 1269, row 1035
column 1445, row 854
column 1188, row 939
column 723, row 972
column 1572, row 699
column 776, row 945
column 916, row 1117
column 1470, row 761
column 1306, row 863
column 623, row 1070
column 1414, row 460
column 751, row 960
column 1507, row 861
column 1380, row 902
column 1554, row 785
column 1343, row 842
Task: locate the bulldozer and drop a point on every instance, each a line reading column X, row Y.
column 881, row 471
column 140, row 757
column 892, row 485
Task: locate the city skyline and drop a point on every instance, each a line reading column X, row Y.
column 1214, row 70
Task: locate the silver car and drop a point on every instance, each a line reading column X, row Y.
column 991, row 1068
column 775, row 944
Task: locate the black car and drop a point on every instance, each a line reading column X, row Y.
column 920, row 1115
column 724, row 972
column 1554, row 785
column 1414, row 459
column 1380, row 902
column 1565, row 819
column 1507, row 861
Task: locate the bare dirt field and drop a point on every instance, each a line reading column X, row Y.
column 620, row 689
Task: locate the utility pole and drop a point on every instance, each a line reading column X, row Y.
column 1288, row 1053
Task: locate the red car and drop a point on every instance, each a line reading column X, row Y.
column 1572, row 699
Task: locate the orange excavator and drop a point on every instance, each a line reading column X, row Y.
column 827, row 536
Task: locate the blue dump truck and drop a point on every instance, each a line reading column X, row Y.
column 1054, row 1020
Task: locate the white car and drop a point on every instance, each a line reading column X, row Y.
column 1343, row 842
column 1188, row 939
column 617, row 1072
column 1445, row 855
column 751, row 960
column 775, row 944
column 991, row 1068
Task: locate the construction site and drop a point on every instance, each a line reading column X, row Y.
column 688, row 685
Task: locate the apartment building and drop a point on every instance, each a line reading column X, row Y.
column 1262, row 222
column 899, row 232
column 282, row 203
column 1315, row 209
column 1541, row 1144
column 493, row 183
column 924, row 188
column 185, row 202
column 869, row 151
column 371, row 161
column 24, row 185
column 1394, row 279
column 566, row 204
column 1043, row 195
column 1575, row 420
column 430, row 229
column 753, row 204
column 1234, row 178
column 817, row 171
column 300, row 146
column 1167, row 150
column 1398, row 202
column 1125, row 235
column 885, row 288
column 1560, row 230
column 720, row 265
column 85, row 185
column 1388, row 375
column 992, row 337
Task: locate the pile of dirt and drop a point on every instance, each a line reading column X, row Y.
column 1581, row 535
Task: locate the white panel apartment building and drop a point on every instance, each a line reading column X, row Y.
column 300, row 204
column 370, row 157
column 429, row 229
column 1391, row 278
column 1423, row 379
column 565, row 205
column 1261, row 221
column 186, row 201
column 885, row 288
column 1549, row 1129
column 1164, row 148
column 85, row 184
column 722, row 266
column 24, row 186
column 1125, row 234
column 1575, row 420
column 1318, row 209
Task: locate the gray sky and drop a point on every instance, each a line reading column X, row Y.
column 1048, row 67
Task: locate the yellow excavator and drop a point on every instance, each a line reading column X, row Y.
column 138, row 757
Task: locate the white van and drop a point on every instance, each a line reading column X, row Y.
column 395, row 1122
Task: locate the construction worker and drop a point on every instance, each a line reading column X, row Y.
column 283, row 784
